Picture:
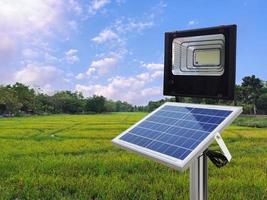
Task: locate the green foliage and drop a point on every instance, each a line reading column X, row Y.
column 262, row 103
column 45, row 104
column 26, row 97
column 110, row 106
column 68, row 102
column 72, row 157
column 251, row 89
column 9, row 102
column 95, row 104
column 152, row 105
column 123, row 107
column 248, row 109
column 20, row 99
column 252, row 121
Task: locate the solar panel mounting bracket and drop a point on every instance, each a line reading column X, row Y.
column 223, row 146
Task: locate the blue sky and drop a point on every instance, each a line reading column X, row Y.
column 114, row 48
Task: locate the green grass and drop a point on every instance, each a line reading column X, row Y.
column 71, row 157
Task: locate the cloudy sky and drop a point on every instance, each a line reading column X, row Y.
column 114, row 48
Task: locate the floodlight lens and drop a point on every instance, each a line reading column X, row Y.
column 207, row 57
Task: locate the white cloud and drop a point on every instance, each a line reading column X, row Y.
column 7, row 48
column 80, row 76
column 157, row 74
column 90, row 71
column 131, row 89
column 73, row 25
column 103, row 66
column 29, row 53
column 155, row 70
column 143, row 76
column 102, row 63
column 129, row 24
column 104, row 36
column 151, row 91
column 192, row 22
column 71, row 56
column 25, row 17
column 75, row 6
column 30, row 30
column 96, row 5
column 38, row 75
column 138, row 89
column 153, row 66
column 120, row 2
column 25, row 26
column 50, row 58
column 133, row 25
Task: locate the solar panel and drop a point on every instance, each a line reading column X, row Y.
column 175, row 133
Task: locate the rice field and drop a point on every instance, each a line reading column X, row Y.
column 72, row 157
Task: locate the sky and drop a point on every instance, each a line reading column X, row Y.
column 115, row 48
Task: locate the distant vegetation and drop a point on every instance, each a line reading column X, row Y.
column 252, row 121
column 19, row 99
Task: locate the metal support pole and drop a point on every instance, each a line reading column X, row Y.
column 199, row 178
column 198, row 175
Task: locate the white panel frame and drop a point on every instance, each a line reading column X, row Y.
column 223, row 147
column 175, row 163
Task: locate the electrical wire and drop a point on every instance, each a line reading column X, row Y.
column 216, row 157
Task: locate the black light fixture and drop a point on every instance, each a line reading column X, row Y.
column 201, row 62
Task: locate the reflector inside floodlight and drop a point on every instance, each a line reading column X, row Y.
column 198, row 55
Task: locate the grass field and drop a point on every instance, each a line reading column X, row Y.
column 71, row 157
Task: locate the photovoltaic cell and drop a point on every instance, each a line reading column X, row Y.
column 174, row 130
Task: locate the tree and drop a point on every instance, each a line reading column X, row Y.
column 110, row 106
column 9, row 101
column 152, row 105
column 262, row 103
column 95, row 104
column 68, row 102
column 196, row 100
column 123, row 107
column 44, row 103
column 251, row 90
column 26, row 97
column 238, row 94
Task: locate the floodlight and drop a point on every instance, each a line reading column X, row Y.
column 200, row 62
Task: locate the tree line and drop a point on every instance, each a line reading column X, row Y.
column 251, row 94
column 20, row 99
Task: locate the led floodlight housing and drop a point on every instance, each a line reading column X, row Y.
column 200, row 62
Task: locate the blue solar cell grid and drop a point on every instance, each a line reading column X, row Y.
column 175, row 131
